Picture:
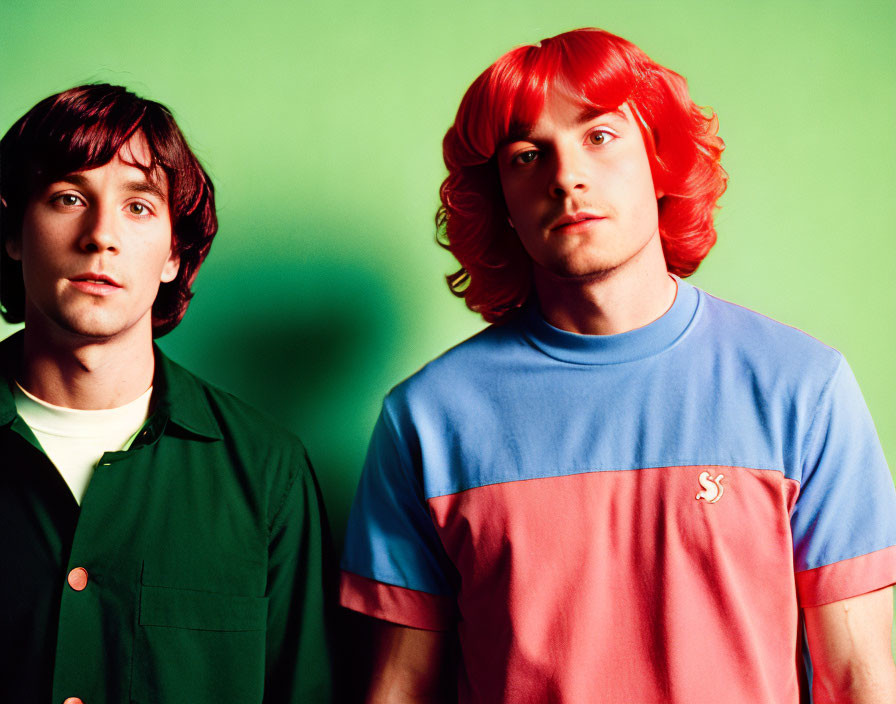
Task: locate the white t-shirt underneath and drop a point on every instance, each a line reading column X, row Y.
column 75, row 440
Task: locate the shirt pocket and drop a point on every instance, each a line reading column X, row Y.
column 198, row 646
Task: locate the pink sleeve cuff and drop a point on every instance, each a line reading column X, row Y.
column 406, row 607
column 847, row 578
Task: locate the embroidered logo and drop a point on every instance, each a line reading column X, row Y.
column 712, row 487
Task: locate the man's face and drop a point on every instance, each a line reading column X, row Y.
column 579, row 191
column 95, row 245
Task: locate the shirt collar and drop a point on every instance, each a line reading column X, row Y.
column 637, row 344
column 179, row 396
column 183, row 399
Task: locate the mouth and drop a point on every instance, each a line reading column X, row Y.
column 573, row 221
column 96, row 279
column 95, row 284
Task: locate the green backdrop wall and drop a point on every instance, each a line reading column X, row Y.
column 321, row 125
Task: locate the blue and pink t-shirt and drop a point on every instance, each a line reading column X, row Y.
column 624, row 518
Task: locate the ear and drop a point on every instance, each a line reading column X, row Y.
column 171, row 267
column 14, row 247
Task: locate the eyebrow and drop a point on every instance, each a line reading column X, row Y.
column 135, row 186
column 517, row 133
column 589, row 113
column 145, row 187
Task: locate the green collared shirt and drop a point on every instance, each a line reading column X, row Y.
column 205, row 551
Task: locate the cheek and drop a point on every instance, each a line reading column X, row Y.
column 518, row 194
column 35, row 255
column 639, row 191
column 510, row 196
column 523, row 206
column 157, row 243
column 45, row 239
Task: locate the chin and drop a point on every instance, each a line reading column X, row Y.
column 581, row 272
column 91, row 328
column 94, row 333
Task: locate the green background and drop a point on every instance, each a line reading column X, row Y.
column 321, row 125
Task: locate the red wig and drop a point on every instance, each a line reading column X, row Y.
column 83, row 128
column 602, row 71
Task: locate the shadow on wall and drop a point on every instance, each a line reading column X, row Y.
column 311, row 346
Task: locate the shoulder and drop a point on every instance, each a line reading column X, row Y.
column 494, row 347
column 255, row 447
column 238, row 419
column 464, row 370
column 758, row 342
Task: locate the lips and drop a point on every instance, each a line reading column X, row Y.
column 571, row 221
column 95, row 284
column 97, row 279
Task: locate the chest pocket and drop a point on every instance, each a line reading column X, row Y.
column 198, row 646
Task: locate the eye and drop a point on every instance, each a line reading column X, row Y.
column 67, row 200
column 600, row 137
column 138, row 208
column 526, row 157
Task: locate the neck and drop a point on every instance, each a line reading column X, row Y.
column 613, row 302
column 86, row 374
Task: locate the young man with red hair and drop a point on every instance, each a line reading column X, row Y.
column 162, row 542
column 625, row 490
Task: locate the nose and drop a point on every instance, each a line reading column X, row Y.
column 100, row 233
column 568, row 174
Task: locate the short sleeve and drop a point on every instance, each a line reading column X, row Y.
column 844, row 520
column 394, row 565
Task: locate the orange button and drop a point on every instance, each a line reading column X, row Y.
column 73, row 700
column 77, row 580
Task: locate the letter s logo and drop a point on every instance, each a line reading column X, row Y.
column 712, row 487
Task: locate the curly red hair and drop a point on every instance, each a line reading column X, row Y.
column 603, row 71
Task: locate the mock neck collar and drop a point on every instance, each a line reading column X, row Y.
column 629, row 346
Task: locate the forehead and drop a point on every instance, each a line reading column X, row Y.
column 136, row 152
column 564, row 111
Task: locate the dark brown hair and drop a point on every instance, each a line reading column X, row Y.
column 83, row 128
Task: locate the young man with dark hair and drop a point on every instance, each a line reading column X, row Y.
column 163, row 542
column 625, row 490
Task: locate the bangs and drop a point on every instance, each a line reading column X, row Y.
column 504, row 103
column 86, row 127
column 597, row 75
column 61, row 145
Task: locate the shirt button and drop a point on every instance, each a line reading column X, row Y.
column 77, row 580
column 73, row 700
